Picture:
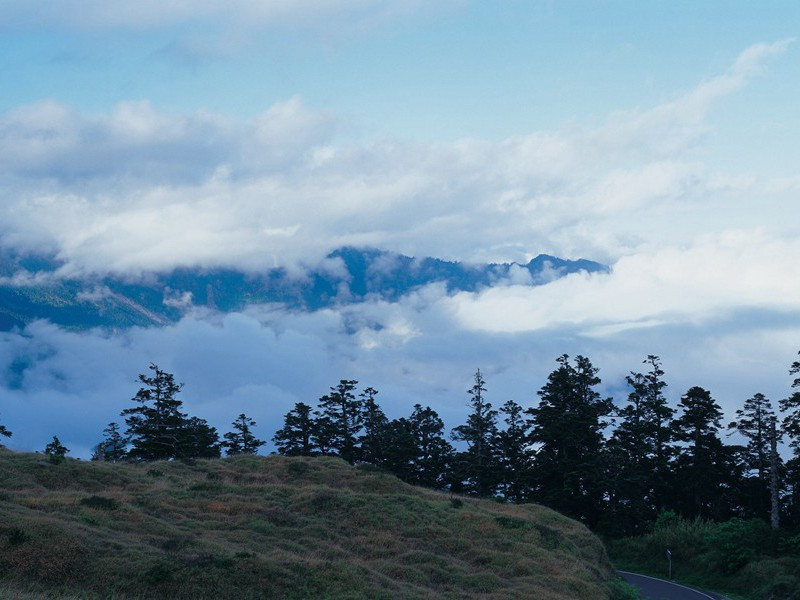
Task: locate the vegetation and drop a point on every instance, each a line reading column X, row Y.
column 276, row 527
column 745, row 558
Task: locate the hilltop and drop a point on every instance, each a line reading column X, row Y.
column 276, row 527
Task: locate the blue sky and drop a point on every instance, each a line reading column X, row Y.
column 658, row 137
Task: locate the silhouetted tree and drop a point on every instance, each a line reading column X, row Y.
column 477, row 465
column 56, row 451
column 154, row 426
column 567, row 430
column 295, row 438
column 400, row 449
column 372, row 442
column 791, row 406
column 513, row 453
column 4, row 432
column 113, row 447
column 431, row 451
column 701, row 466
column 638, row 453
column 753, row 422
column 343, row 410
column 197, row 439
column 242, row 441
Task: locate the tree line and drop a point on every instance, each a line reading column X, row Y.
column 615, row 468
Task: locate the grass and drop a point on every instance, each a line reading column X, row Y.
column 276, row 527
column 744, row 559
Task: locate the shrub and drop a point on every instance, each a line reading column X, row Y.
column 100, row 503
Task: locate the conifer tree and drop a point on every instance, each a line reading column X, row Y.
column 56, row 452
column 513, row 453
column 400, row 449
column 4, row 432
column 343, row 410
column 296, row 437
column 197, row 439
column 791, row 406
column 754, row 422
column 242, row 441
column 477, row 465
column 638, row 453
column 432, row 452
column 113, row 446
column 372, row 442
column 567, row 428
column 154, row 426
column 702, row 464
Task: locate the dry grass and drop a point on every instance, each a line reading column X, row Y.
column 275, row 527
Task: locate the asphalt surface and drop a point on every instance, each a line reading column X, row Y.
column 651, row 588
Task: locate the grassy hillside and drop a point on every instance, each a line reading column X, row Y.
column 275, row 527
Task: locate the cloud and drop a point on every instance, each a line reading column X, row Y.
column 139, row 188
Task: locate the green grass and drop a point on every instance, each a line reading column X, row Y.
column 744, row 559
column 276, row 527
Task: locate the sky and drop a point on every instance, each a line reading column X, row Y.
column 659, row 138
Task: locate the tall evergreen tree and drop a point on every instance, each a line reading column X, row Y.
column 113, row 447
column 295, row 438
column 638, row 453
column 791, row 407
column 343, row 410
column 432, row 452
column 242, row 440
column 372, row 442
column 754, row 422
column 513, row 453
column 477, row 466
column 154, row 426
column 567, row 431
column 702, row 464
column 400, row 449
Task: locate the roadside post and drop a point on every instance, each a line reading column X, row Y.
column 669, row 558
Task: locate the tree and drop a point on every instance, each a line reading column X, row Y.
column 431, row 452
column 197, row 439
column 638, row 454
column 373, row 440
column 154, row 427
column 701, row 466
column 513, row 453
column 754, row 422
column 343, row 410
column 113, row 446
column 4, row 432
column 242, row 441
column 56, row 452
column 567, row 432
column 295, row 438
column 791, row 406
column 477, row 465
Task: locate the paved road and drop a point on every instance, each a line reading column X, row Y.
column 651, row 588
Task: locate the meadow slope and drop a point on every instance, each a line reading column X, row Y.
column 276, row 527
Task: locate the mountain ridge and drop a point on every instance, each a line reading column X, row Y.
column 31, row 287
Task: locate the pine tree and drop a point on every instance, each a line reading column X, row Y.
column 242, row 441
column 372, row 442
column 400, row 450
column 754, row 423
column 4, row 432
column 477, row 465
column 295, row 438
column 343, row 410
column 113, row 446
column 513, row 453
column 197, row 439
column 791, row 406
column 702, row 465
column 432, row 452
column 56, row 452
column 638, row 454
column 567, row 431
column 154, row 427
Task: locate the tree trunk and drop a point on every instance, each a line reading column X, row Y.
column 773, row 477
